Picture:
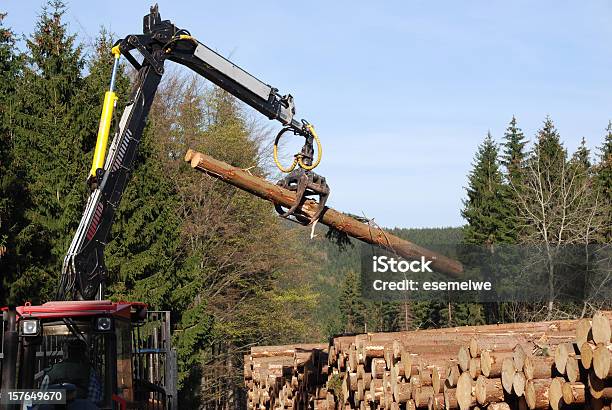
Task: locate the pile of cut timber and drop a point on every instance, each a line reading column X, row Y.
column 539, row 365
column 291, row 376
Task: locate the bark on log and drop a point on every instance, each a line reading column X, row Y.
column 286, row 350
column 499, row 406
column 368, row 233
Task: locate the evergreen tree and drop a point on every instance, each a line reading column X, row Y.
column 603, row 172
column 549, row 153
column 513, row 155
column 48, row 154
column 352, row 308
column 582, row 157
column 11, row 215
column 484, row 208
column 491, row 219
column 513, row 160
column 462, row 314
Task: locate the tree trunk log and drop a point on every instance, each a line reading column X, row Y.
column 365, row 232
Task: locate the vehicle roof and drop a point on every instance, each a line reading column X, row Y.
column 79, row 308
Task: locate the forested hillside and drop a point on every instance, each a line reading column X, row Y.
column 221, row 260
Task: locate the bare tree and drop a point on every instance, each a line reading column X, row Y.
column 558, row 207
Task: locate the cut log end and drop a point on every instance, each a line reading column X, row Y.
column 600, row 328
column 555, row 393
column 464, row 391
column 507, row 374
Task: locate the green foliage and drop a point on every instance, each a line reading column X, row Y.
column 48, row 154
column 352, row 307
column 513, row 155
column 603, row 172
column 513, row 160
column 549, row 155
column 11, row 214
column 485, row 209
column 216, row 256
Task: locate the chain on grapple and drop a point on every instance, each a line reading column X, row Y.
column 301, row 179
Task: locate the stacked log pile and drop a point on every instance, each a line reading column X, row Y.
column 540, row 365
column 291, row 376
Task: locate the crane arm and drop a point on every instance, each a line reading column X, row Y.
column 84, row 273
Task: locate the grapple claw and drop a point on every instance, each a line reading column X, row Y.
column 306, row 185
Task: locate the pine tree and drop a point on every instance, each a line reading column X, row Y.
column 48, row 153
column 11, row 214
column 484, row 208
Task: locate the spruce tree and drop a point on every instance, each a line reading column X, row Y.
column 48, row 153
column 11, row 197
column 513, row 159
column 513, row 155
column 484, row 209
column 549, row 153
column 489, row 216
column 582, row 156
column 352, row 308
column 604, row 185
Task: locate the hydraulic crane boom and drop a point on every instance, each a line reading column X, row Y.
column 84, row 273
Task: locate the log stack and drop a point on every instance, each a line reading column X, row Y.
column 540, row 365
column 289, row 376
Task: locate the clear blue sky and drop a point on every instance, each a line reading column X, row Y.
column 401, row 92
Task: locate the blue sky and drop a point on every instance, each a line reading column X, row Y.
column 401, row 92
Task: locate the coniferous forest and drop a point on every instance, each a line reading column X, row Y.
column 221, row 260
